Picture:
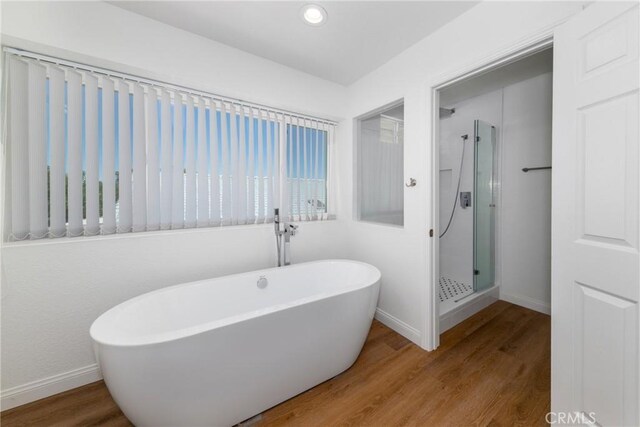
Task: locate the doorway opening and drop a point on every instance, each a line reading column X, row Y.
column 493, row 191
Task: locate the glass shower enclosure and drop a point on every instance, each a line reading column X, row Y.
column 483, row 211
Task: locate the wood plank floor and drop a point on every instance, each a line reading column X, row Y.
column 493, row 369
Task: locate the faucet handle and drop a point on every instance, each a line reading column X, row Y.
column 292, row 229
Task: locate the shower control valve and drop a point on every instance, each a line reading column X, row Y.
column 465, row 199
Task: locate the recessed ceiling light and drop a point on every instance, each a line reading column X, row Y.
column 313, row 15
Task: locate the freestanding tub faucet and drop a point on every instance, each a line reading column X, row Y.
column 288, row 230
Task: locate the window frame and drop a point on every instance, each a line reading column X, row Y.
column 279, row 117
column 358, row 169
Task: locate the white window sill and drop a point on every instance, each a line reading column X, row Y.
column 380, row 224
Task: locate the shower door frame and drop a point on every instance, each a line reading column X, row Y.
column 534, row 44
column 496, row 169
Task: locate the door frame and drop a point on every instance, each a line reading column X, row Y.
column 519, row 50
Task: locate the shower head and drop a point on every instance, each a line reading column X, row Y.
column 446, row 112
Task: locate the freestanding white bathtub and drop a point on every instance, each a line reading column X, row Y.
column 219, row 351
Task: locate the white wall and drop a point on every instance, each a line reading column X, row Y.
column 403, row 254
column 525, row 211
column 53, row 290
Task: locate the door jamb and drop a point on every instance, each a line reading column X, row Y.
column 541, row 41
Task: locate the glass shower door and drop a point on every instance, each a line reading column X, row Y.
column 483, row 211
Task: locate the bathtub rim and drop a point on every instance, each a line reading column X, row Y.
column 177, row 334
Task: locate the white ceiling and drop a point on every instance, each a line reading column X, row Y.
column 357, row 38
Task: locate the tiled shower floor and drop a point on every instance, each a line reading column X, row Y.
column 452, row 291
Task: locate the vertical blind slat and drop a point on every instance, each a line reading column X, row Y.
column 139, row 184
column 298, row 154
column 166, row 154
column 108, row 158
column 315, row 176
column 226, row 166
column 214, row 201
column 260, row 170
column 287, row 191
column 319, row 171
column 285, row 164
column 57, row 196
column 153, row 160
column 292, row 166
column 234, row 173
column 330, row 185
column 305, row 172
column 251, row 196
column 177, row 216
column 265, row 161
column 19, row 135
column 314, row 171
column 37, row 151
column 295, row 167
column 92, row 191
column 203, row 172
column 124, row 205
column 74, row 158
column 241, row 168
column 190, row 191
column 272, row 160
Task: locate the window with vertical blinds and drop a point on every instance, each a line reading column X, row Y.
column 92, row 152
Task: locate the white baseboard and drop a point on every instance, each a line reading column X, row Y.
column 469, row 308
column 398, row 325
column 35, row 390
column 533, row 304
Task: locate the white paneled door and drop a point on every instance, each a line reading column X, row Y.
column 596, row 229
